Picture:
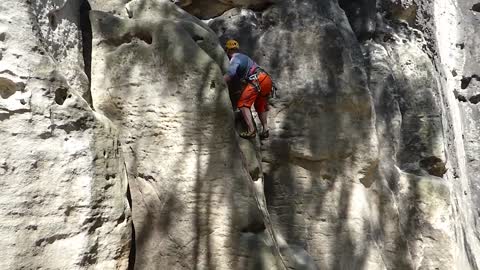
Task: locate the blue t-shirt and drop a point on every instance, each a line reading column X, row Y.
column 240, row 66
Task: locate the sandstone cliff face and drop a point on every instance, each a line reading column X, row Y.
column 120, row 150
column 63, row 195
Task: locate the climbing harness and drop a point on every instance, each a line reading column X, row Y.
column 253, row 77
column 254, row 80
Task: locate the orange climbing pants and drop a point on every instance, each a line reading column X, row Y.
column 251, row 96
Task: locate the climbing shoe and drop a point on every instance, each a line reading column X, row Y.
column 248, row 135
column 264, row 134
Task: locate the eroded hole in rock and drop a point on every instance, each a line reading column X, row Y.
column 3, row 36
column 197, row 38
column 434, row 166
column 110, row 176
column 459, row 96
column 476, row 7
column 361, row 15
column 475, row 99
column 61, row 95
column 261, row 7
column 7, row 88
column 21, row 87
column 388, row 38
column 465, row 82
column 145, row 36
column 52, row 20
column 402, row 13
column 254, row 228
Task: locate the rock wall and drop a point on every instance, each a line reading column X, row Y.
column 158, row 76
column 401, row 209
column 121, row 150
column 63, row 199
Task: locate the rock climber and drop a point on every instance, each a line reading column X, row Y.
column 256, row 88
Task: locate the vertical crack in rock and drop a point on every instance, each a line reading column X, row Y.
column 133, row 250
column 86, row 29
column 259, row 196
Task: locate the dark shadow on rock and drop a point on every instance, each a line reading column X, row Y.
column 156, row 217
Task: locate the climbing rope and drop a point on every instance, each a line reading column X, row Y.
column 262, row 206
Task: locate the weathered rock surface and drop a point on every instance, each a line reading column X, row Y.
column 207, row 8
column 120, row 149
column 63, row 195
column 158, row 76
column 407, row 215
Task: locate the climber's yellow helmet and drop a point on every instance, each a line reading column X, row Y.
column 232, row 44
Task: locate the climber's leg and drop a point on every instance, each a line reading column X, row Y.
column 245, row 102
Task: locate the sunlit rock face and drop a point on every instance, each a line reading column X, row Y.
column 63, row 195
column 157, row 75
column 120, row 147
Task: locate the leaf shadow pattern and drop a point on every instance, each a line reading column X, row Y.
column 84, row 152
column 186, row 181
column 330, row 114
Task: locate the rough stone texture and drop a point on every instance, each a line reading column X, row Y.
column 158, row 76
column 371, row 161
column 363, row 16
column 400, row 214
column 207, row 8
column 116, row 7
column 63, row 198
column 314, row 163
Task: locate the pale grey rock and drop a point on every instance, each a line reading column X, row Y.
column 58, row 26
column 158, row 76
column 371, row 161
column 116, row 7
column 447, row 28
column 207, row 8
column 63, row 194
column 409, row 200
column 323, row 140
